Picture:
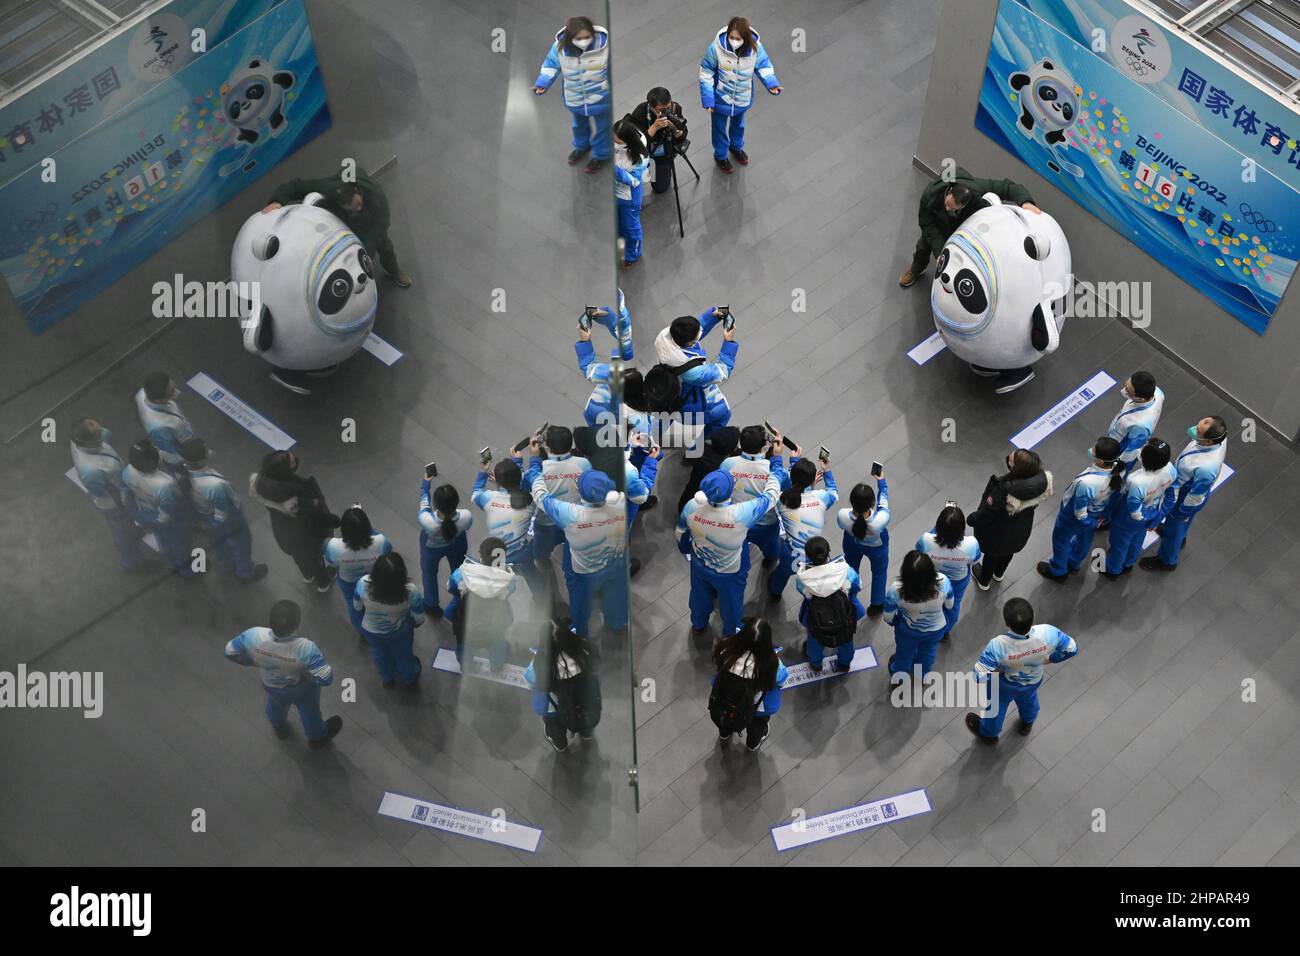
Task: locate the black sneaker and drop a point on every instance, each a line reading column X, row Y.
column 1010, row 381
column 329, row 581
column 558, row 748
column 1045, row 570
column 976, row 571
column 724, row 165
column 752, row 745
column 577, row 154
column 286, row 380
column 649, row 503
column 594, row 164
column 1024, row 729
column 773, row 598
column 983, row 372
column 973, row 725
column 633, row 567
column 769, row 563
column 742, row 157
column 875, row 610
column 1155, row 564
column 332, row 728
column 282, row 731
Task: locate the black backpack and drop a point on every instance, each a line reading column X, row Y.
column 732, row 702
column 663, row 386
column 487, row 619
column 577, row 703
column 831, row 619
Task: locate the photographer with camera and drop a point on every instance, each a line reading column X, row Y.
column 664, row 127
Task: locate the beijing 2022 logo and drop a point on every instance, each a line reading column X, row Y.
column 1140, row 49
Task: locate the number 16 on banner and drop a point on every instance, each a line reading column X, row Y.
column 1162, row 186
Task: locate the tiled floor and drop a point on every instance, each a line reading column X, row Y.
column 1147, row 723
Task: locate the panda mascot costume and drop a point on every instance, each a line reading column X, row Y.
column 1049, row 104
column 999, row 291
column 315, row 292
column 253, row 103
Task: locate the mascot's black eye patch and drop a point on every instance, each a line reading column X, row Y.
column 1048, row 94
column 1067, row 111
column 255, row 92
column 970, row 293
column 334, row 292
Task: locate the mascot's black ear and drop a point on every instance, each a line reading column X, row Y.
column 1019, row 80
column 1037, row 247
column 265, row 247
column 254, row 63
column 1038, row 335
column 283, row 79
column 265, row 333
column 1047, row 65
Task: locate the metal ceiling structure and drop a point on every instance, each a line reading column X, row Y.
column 1260, row 37
column 38, row 38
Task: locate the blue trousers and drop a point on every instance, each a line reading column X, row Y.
column 348, row 589
column 601, row 144
column 878, row 558
column 783, row 570
column 305, row 697
column 728, row 131
column 610, row 583
column 1026, row 699
column 546, row 538
column 729, row 589
column 1071, row 542
column 1125, row 542
column 175, row 541
column 126, row 538
column 629, row 229
column 393, row 655
column 912, row 648
column 1175, row 527
column 233, row 543
column 816, row 652
column 958, row 591
column 430, row 558
column 768, row 539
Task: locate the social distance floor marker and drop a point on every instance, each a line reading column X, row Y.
column 851, row 820
column 922, row 353
column 802, row 673
column 512, row 674
column 243, row 414
column 1063, row 411
column 491, row 829
column 380, row 349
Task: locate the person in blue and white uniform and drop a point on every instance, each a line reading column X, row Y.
column 734, row 57
column 508, row 515
column 631, row 165
column 954, row 553
column 694, row 383
column 353, row 552
column 1137, row 418
column 1017, row 657
column 162, row 419
column 915, row 606
column 99, row 468
column 821, row 578
column 293, row 670
column 712, row 532
column 443, row 537
column 1196, row 468
column 618, row 322
column 1084, row 507
column 1139, row 505
column 153, row 497
column 758, row 456
column 866, row 535
column 748, row 661
column 580, row 57
column 624, row 418
column 480, row 594
column 217, row 509
column 391, row 609
column 802, row 509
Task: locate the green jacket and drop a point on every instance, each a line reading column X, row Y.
column 370, row 225
column 936, row 222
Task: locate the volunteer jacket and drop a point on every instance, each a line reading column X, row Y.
column 560, row 474
column 503, row 520
column 1144, row 493
column 953, row 563
column 1135, row 423
column 100, row 470
column 585, row 73
column 596, row 534
column 1196, row 469
column 1088, row 497
column 715, row 534
column 727, row 78
column 809, row 519
column 166, row 426
column 619, row 323
column 214, row 499
column 282, row 661
column 153, row 498
column 877, row 521
column 1019, row 658
column 750, row 473
column 353, row 564
column 629, row 178
column 486, row 581
column 431, row 524
column 700, row 392
column 823, row 580
column 386, row 619
column 925, row 616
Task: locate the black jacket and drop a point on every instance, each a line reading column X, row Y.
column 313, row 521
column 1005, row 516
column 709, row 461
column 643, row 116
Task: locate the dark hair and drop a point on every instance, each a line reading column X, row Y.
column 741, row 26
column 662, row 389
column 791, row 498
column 509, row 477
column 490, row 549
column 194, row 451
column 1108, row 449
column 605, row 457
column 753, row 439
column 755, row 636
column 278, row 466
column 817, row 549
column 631, row 135
column 724, row 440
column 143, row 456
column 1025, row 463
column 558, row 638
column 559, row 439
column 659, row 96
column 355, row 529
column 1018, row 615
column 950, row 527
column 1144, row 384
column 344, row 193
column 446, row 499
column 1220, row 430
column 803, row 474
column 861, row 499
column 577, row 25
column 1155, row 454
column 960, row 194
column 685, row 329
column 285, row 618
column 156, row 386
column 634, row 390
column 388, row 579
column 83, row 434
column 920, row 582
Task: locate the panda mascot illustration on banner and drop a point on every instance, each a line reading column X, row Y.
column 315, row 292
column 1048, row 102
column 252, row 101
column 999, row 291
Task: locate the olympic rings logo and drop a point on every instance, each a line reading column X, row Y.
column 1136, row 66
column 40, row 219
column 1257, row 219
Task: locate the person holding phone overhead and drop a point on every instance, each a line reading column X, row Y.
column 759, row 457
column 443, row 526
column 866, row 534
column 802, row 510
column 727, row 73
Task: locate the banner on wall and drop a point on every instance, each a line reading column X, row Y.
column 1206, row 205
column 155, row 165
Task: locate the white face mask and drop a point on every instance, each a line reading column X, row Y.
column 584, row 43
column 620, row 147
column 734, row 43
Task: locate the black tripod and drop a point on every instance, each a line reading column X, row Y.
column 679, row 151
